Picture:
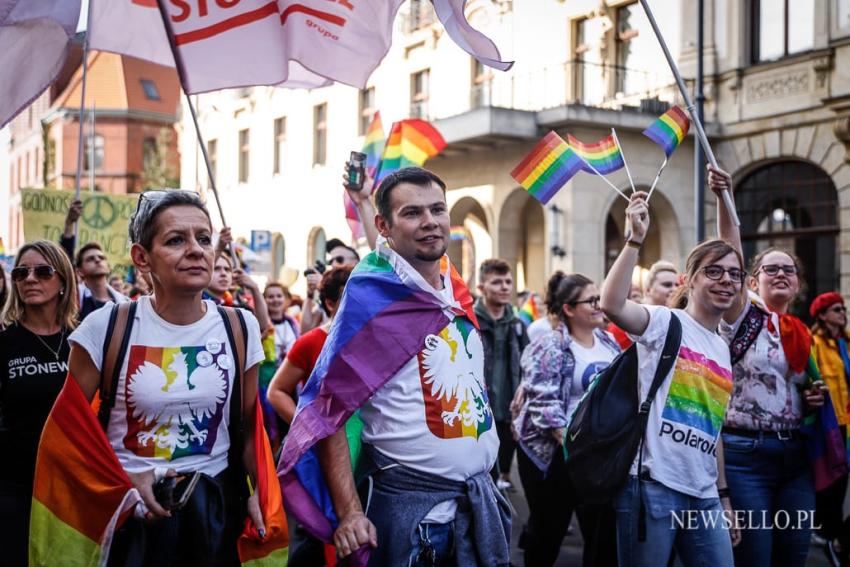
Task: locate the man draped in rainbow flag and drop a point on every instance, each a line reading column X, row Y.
column 428, row 439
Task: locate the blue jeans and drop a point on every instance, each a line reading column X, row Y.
column 770, row 480
column 694, row 526
column 436, row 546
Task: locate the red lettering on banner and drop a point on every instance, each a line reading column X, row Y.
column 302, row 9
column 236, row 21
column 185, row 11
column 343, row 3
column 145, row 3
column 227, row 3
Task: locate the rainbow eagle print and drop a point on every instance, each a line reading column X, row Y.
column 699, row 393
column 175, row 399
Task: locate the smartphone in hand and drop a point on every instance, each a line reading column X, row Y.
column 172, row 493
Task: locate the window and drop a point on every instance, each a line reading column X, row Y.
column 316, row 244
column 320, row 133
column 150, row 89
column 589, row 70
column 419, row 94
column 793, row 205
column 421, row 15
column 367, row 109
column 279, row 143
column 244, row 154
column 27, row 169
column 782, row 28
column 212, row 153
column 843, row 14
column 641, row 65
column 93, row 154
column 481, row 82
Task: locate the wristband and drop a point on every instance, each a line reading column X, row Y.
column 724, row 492
column 634, row 244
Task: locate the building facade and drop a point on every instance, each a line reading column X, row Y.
column 777, row 88
column 129, row 136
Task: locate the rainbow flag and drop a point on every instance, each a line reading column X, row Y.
column 669, row 130
column 81, row 494
column 605, row 155
column 458, row 233
column 547, row 168
column 373, row 144
column 411, row 143
column 377, row 303
column 529, row 312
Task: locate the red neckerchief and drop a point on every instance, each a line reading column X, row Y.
column 796, row 340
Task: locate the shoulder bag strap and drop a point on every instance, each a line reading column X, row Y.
column 237, row 336
column 114, row 350
column 747, row 333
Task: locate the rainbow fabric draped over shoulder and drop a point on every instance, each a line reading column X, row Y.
column 604, row 155
column 669, row 130
column 386, row 302
column 411, row 143
column 81, row 495
column 547, row 168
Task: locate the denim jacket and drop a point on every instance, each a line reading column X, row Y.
column 548, row 365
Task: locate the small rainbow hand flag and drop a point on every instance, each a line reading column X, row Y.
column 373, row 144
column 547, row 168
column 669, row 130
column 529, row 311
column 411, row 143
column 457, row 233
column 605, row 155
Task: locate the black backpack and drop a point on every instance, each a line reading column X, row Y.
column 609, row 424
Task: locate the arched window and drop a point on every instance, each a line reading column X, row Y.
column 278, row 253
column 793, row 205
column 316, row 243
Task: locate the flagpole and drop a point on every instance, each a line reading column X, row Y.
column 625, row 163
column 614, row 187
column 181, row 75
column 78, row 178
column 655, row 182
column 703, row 139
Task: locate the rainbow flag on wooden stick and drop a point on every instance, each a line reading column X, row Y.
column 604, row 155
column 669, row 130
column 547, row 168
column 411, row 143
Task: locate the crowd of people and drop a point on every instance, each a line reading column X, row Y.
column 447, row 388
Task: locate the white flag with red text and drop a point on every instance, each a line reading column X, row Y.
column 34, row 40
column 130, row 27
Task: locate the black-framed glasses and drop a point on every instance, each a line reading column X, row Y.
column 715, row 273
column 42, row 272
column 592, row 301
column 773, row 269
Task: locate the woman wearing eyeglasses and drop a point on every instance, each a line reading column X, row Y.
column 681, row 461
column 766, row 461
column 831, row 354
column 40, row 314
column 557, row 369
column 176, row 389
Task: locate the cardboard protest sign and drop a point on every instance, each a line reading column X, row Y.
column 104, row 220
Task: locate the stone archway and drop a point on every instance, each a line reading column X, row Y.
column 522, row 240
column 471, row 243
column 663, row 241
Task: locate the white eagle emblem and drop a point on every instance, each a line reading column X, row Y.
column 453, row 368
column 171, row 405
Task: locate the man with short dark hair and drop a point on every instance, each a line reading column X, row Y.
column 504, row 337
column 405, row 350
column 93, row 271
column 338, row 255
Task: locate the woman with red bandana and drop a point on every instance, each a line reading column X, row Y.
column 767, row 467
column 830, row 350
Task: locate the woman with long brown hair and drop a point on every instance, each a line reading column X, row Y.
column 40, row 313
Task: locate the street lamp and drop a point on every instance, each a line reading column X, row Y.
column 556, row 232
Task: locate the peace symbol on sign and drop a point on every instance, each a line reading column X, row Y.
column 99, row 212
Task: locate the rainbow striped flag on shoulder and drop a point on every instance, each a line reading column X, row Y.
column 81, row 495
column 384, row 298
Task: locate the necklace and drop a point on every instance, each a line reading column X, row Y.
column 55, row 353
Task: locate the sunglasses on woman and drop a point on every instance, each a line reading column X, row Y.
column 42, row 272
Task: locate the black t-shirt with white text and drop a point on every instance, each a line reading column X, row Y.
column 31, row 377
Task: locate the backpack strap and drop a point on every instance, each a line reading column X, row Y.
column 747, row 333
column 237, row 336
column 669, row 354
column 114, row 350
